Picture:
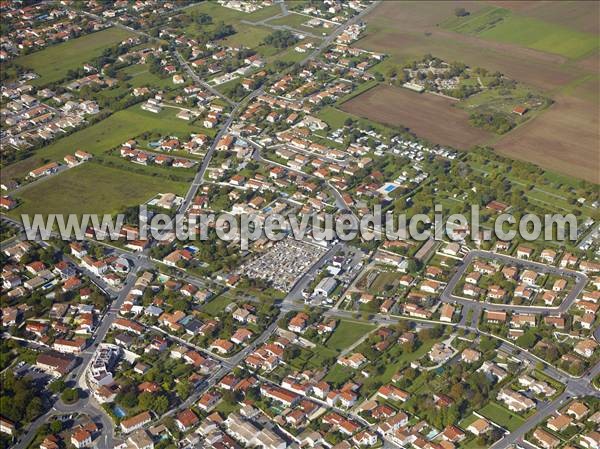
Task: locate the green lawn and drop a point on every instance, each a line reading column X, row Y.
column 314, row 358
column 347, row 333
column 141, row 77
column 53, row 63
column 92, row 188
column 502, row 25
column 339, row 374
column 217, row 305
column 501, row 416
column 404, row 360
column 504, row 100
column 109, row 133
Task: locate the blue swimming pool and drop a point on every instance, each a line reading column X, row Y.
column 119, row 411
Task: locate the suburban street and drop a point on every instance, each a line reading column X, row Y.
column 580, row 282
column 293, row 302
column 471, row 312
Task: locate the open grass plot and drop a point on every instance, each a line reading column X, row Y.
column 92, row 188
column 107, row 134
column 347, row 333
column 53, row 63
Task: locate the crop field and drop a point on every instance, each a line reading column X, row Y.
column 428, row 116
column 580, row 16
column 71, row 54
column 502, row 25
column 409, row 30
column 92, row 188
column 562, row 137
column 102, row 136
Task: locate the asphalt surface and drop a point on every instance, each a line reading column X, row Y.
column 580, row 282
column 574, row 386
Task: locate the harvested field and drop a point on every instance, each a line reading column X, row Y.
column 502, row 25
column 429, row 116
column 408, row 30
column 564, row 138
column 579, row 15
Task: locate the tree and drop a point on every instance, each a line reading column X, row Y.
column 57, row 386
column 145, row 400
column 70, row 395
column 55, row 426
column 527, row 340
column 34, row 408
column 161, row 404
column 202, row 18
column 183, row 389
column 281, row 39
column 461, row 12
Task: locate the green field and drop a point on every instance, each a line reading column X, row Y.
column 92, row 188
column 315, row 358
column 53, row 63
column 339, row 374
column 297, row 21
column 217, row 305
column 501, row 416
column 220, row 13
column 136, row 75
column 247, row 35
column 139, row 76
column 109, row 133
column 347, row 333
column 502, row 25
column 384, row 279
column 335, row 118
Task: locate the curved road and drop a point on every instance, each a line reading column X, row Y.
column 580, row 282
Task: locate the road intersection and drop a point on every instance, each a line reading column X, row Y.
column 574, row 386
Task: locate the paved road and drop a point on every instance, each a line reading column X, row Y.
column 200, row 81
column 329, row 39
column 580, row 282
column 199, row 178
column 574, row 388
column 284, row 8
column 87, row 405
